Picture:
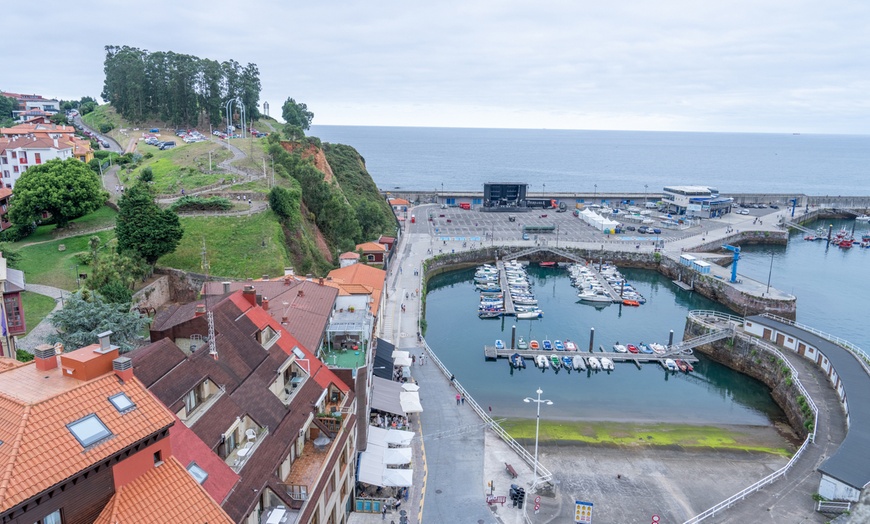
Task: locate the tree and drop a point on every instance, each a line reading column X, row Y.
column 65, row 188
column 7, row 105
column 143, row 228
column 12, row 255
column 297, row 114
column 86, row 314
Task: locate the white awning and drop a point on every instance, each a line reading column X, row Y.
column 410, row 387
column 402, row 361
column 397, row 456
column 399, row 353
column 385, row 396
column 410, row 401
column 389, row 437
column 373, row 468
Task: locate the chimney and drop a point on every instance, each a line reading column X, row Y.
column 265, row 304
column 105, row 346
column 200, row 310
column 320, row 281
column 265, row 277
column 123, row 367
column 250, row 295
column 44, row 357
column 300, row 293
column 288, row 271
column 286, row 281
column 55, row 143
column 226, row 287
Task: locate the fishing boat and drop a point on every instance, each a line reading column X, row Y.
column 542, row 362
column 517, row 361
column 548, row 346
column 579, row 363
column 499, row 343
column 558, row 345
column 619, row 348
column 671, row 364
column 570, row 346
column 594, row 363
column 555, row 361
column 534, row 345
column 658, row 349
column 567, row 363
column 606, row 364
column 522, row 344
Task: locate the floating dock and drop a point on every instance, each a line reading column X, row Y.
column 491, row 353
column 509, row 309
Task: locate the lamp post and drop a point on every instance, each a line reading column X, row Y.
column 770, row 272
column 645, row 186
column 595, row 194
column 537, row 401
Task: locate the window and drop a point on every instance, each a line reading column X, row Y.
column 199, row 474
column 14, row 169
column 52, row 518
column 89, row 430
column 37, row 158
column 13, row 311
column 193, row 399
column 122, row 402
column 158, row 458
column 371, row 258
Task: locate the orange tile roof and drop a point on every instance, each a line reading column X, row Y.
column 5, row 192
column 36, row 406
column 167, row 493
column 348, row 255
column 398, row 202
column 365, row 275
column 371, row 246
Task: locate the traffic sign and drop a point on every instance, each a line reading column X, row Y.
column 583, row 512
column 538, row 499
column 655, row 519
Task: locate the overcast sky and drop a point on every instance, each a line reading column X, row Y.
column 737, row 65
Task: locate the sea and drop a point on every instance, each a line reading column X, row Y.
column 830, row 283
column 424, row 158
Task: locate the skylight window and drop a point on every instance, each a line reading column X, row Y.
column 197, row 472
column 122, row 402
column 89, row 430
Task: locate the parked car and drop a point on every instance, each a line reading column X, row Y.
column 642, row 229
column 525, row 236
column 743, row 212
column 630, row 228
column 167, row 145
column 774, row 206
column 657, row 231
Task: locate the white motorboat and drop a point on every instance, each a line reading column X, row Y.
column 863, row 218
column 594, row 363
column 670, row 364
column 542, row 362
column 578, row 363
column 606, row 364
column 530, row 314
column 594, row 297
column 658, row 349
column 619, row 348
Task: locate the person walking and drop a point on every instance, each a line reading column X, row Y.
column 462, row 400
column 458, row 396
column 384, row 513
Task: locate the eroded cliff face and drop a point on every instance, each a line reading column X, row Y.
column 311, row 151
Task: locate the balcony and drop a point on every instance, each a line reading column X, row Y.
column 200, row 410
column 290, row 389
column 246, row 449
column 305, row 472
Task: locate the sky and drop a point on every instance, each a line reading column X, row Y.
column 670, row 65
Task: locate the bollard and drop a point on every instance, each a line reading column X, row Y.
column 671, row 338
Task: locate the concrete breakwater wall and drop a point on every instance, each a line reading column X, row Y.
column 740, row 354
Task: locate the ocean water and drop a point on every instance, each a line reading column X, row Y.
column 586, row 161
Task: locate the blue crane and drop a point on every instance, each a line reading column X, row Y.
column 736, row 251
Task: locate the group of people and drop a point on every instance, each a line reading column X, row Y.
column 387, row 421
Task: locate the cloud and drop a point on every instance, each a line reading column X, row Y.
column 674, row 65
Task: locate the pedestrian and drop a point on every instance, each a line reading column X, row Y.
column 462, row 400
column 413, row 359
column 490, row 410
column 458, row 396
column 250, row 202
column 384, row 513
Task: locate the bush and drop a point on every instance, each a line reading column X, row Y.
column 195, row 203
column 23, row 356
column 94, row 164
column 17, row 232
column 83, row 258
column 105, row 127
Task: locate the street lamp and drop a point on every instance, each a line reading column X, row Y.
column 645, row 186
column 595, row 194
column 537, row 401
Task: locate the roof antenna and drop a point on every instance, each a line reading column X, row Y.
column 212, row 345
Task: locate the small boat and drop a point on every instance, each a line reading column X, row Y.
column 632, row 348
column 526, row 315
column 632, row 303
column 489, row 314
column 558, row 345
column 548, row 264
column 534, row 345
column 542, row 362
column 594, row 297
column 579, row 363
column 594, row 364
column 570, row 346
column 606, row 364
column 863, row 218
column 522, row 344
column 567, row 362
column 548, row 346
column 644, row 348
column 658, row 349
column 684, row 366
column 671, row 364
column 499, row 343
column 517, row 361
column 556, row 362
column 619, row 348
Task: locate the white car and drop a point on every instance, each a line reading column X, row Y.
column 743, row 212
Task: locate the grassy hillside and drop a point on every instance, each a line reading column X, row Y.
column 46, row 264
column 238, row 247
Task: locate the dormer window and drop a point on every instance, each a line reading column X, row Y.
column 198, row 400
column 267, row 336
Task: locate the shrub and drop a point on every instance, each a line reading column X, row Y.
column 83, row 258
column 17, row 232
column 105, row 127
column 23, row 356
column 195, row 203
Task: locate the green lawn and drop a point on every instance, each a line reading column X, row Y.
column 36, row 308
column 184, row 166
column 45, row 264
column 105, row 216
column 238, row 247
column 640, row 434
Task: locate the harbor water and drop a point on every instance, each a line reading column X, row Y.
column 713, row 394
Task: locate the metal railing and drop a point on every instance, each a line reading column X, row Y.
column 698, row 315
column 845, row 344
column 830, row 506
column 544, row 474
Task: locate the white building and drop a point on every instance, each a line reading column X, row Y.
column 21, row 152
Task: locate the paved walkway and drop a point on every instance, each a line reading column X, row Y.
column 39, row 334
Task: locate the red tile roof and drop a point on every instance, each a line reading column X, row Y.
column 167, row 493
column 188, row 448
column 371, row 246
column 36, row 406
column 365, row 275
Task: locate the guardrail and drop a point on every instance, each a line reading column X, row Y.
column 544, row 474
column 845, row 344
column 782, row 471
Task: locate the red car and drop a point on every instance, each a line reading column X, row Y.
column 632, row 348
